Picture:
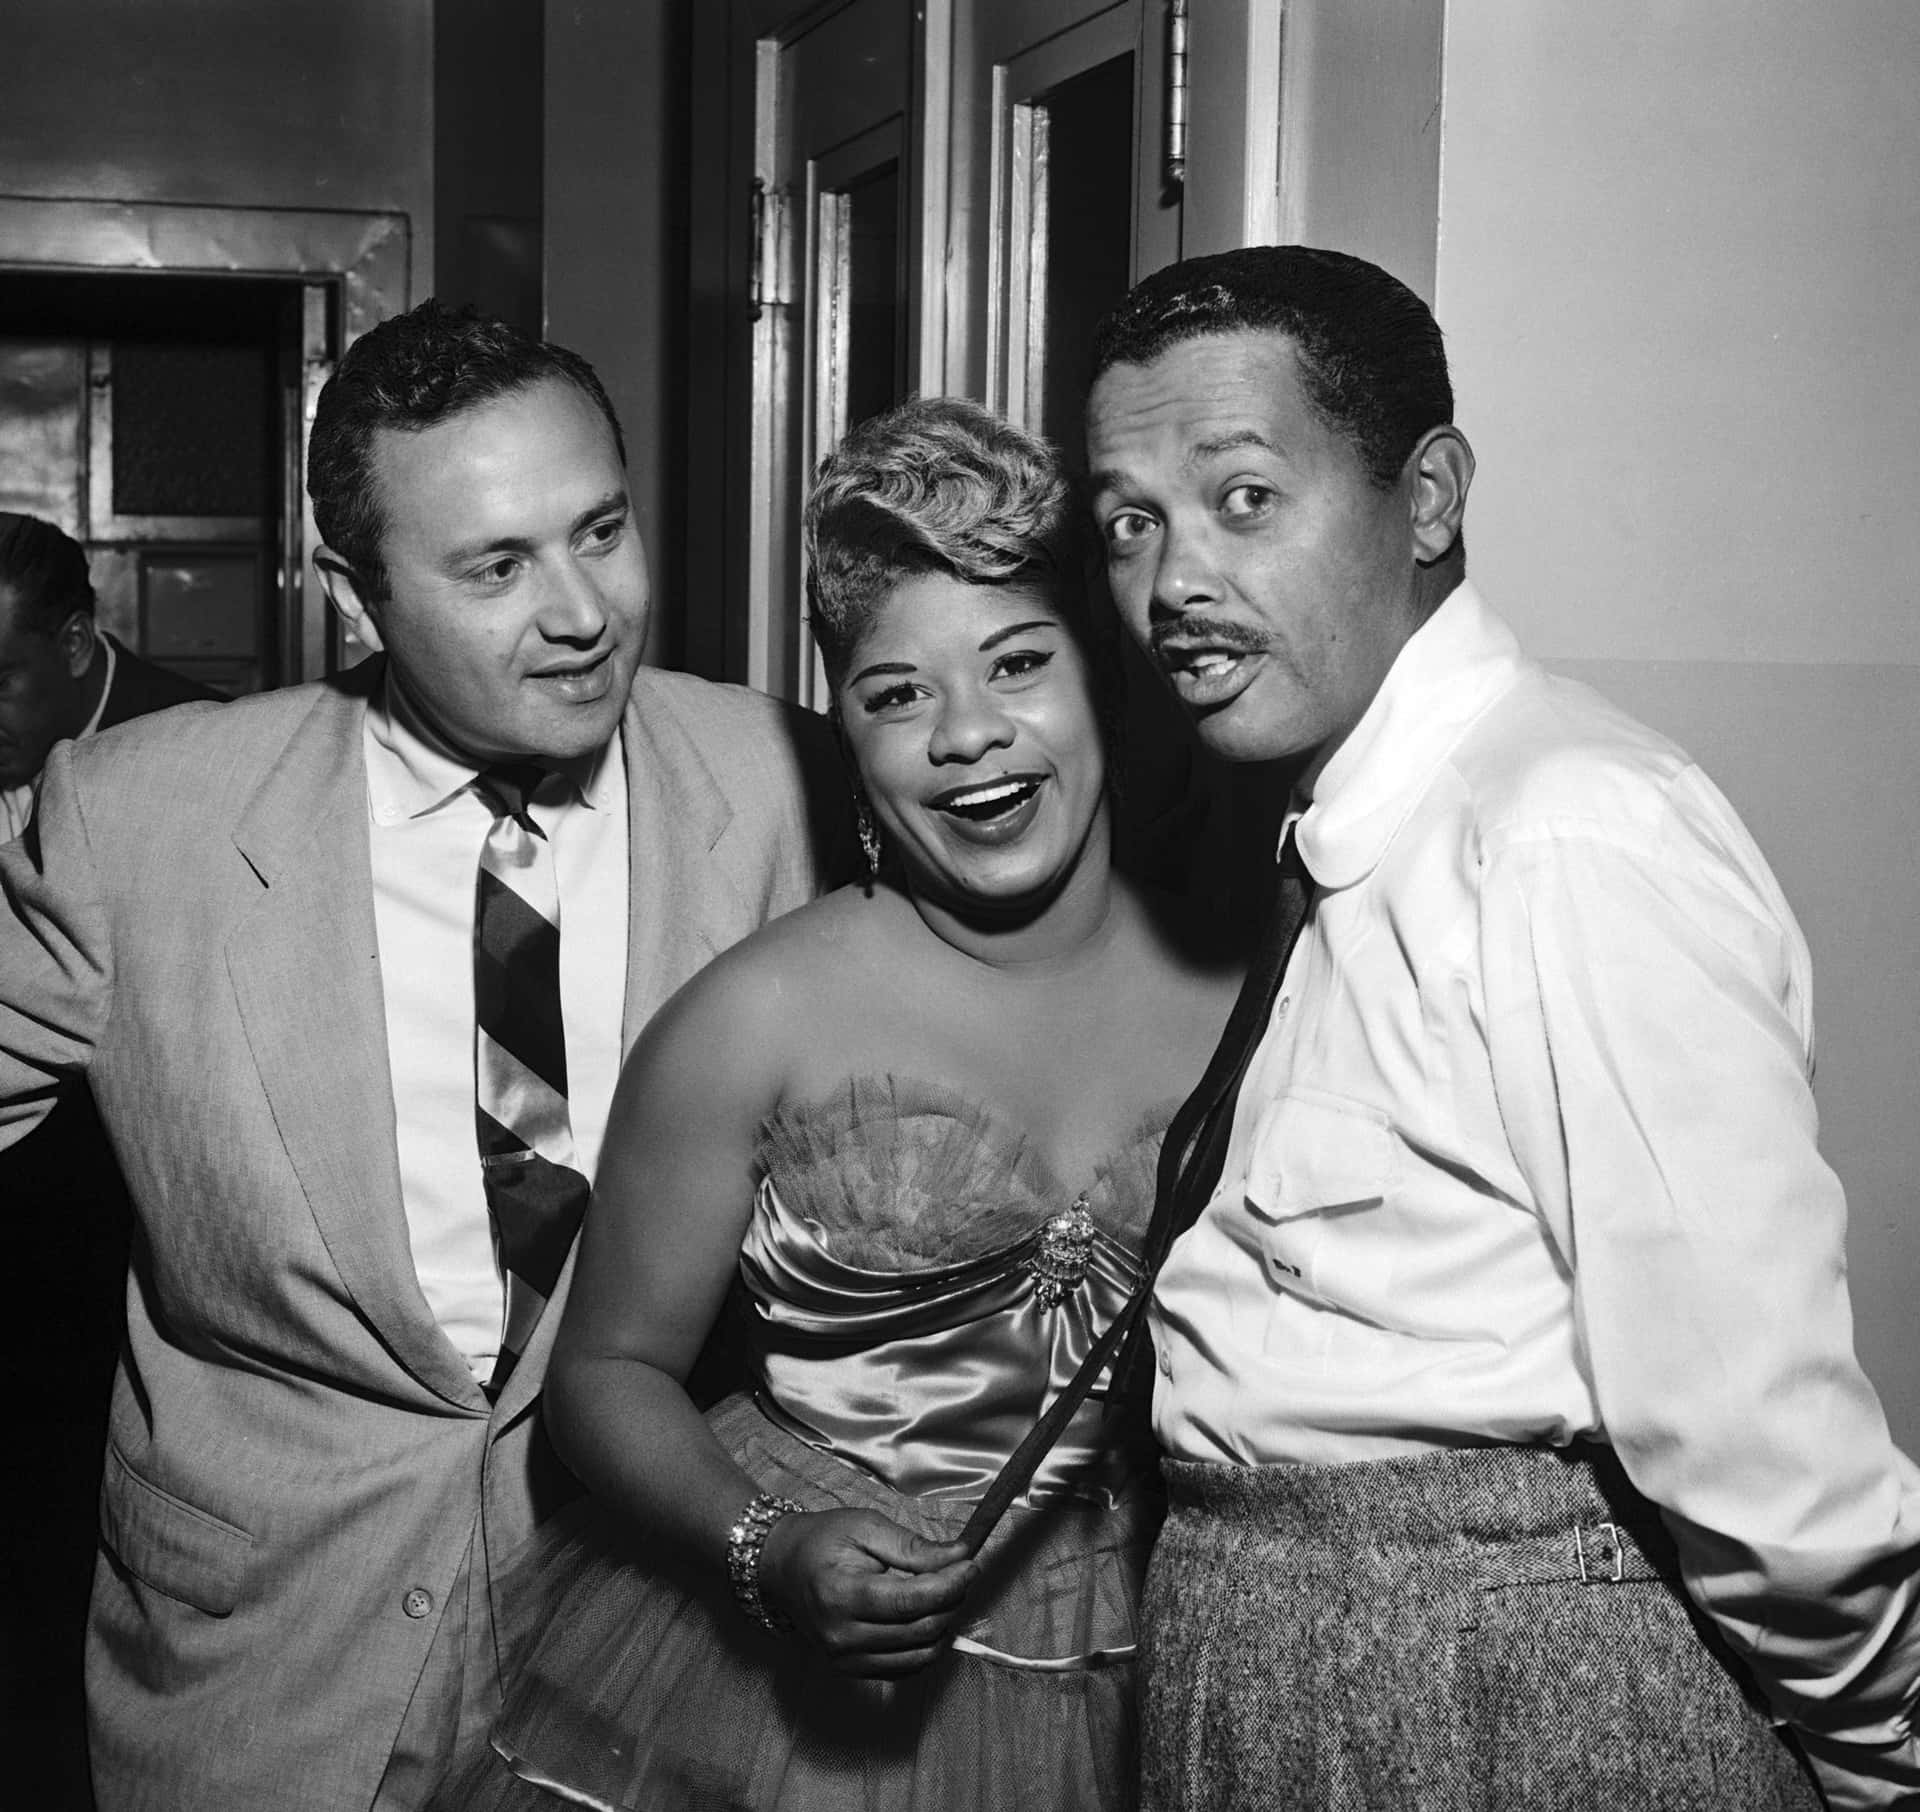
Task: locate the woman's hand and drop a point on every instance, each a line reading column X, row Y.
column 876, row 1598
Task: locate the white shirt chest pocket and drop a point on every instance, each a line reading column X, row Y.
column 1320, row 1182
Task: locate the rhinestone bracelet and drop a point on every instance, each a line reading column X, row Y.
column 744, row 1541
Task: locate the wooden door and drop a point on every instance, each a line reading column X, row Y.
column 893, row 197
column 1065, row 189
column 832, row 283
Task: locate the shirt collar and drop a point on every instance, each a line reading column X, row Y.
column 412, row 771
column 1452, row 668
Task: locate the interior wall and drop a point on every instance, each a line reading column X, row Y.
column 616, row 186
column 1360, row 133
column 1676, row 258
column 230, row 103
column 489, row 127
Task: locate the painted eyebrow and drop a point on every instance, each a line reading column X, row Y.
column 883, row 669
column 1013, row 629
column 880, row 669
column 615, row 503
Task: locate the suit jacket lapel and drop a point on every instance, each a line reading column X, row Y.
column 681, row 885
column 305, row 972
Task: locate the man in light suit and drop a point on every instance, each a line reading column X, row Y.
column 253, row 929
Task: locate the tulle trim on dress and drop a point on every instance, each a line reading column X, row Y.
column 907, row 1174
column 648, row 1691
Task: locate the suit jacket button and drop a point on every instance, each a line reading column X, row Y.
column 418, row 1602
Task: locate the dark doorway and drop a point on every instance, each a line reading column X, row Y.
column 876, row 376
column 1089, row 251
column 156, row 418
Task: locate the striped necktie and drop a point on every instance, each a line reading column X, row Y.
column 535, row 1193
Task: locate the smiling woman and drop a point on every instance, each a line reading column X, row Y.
column 970, row 717
column 970, row 677
column 917, row 1122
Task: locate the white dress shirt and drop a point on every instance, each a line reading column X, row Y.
column 1528, row 1153
column 428, row 825
column 16, row 802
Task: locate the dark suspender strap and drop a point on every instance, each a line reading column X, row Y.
column 1191, row 1159
column 1016, row 1473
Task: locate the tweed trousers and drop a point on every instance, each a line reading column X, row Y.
column 1478, row 1630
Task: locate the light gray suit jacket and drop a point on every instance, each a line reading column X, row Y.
column 300, row 1466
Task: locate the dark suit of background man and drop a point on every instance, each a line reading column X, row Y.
column 60, row 674
column 1518, row 1453
column 60, row 677
column 253, row 929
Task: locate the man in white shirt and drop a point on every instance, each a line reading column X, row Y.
column 331, row 1025
column 1518, row 1454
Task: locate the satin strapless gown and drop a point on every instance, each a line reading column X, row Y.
column 920, row 1287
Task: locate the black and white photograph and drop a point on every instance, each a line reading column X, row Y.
column 960, row 905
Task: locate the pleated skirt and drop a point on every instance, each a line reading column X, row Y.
column 1482, row 1630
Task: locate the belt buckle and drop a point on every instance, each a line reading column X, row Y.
column 1598, row 1574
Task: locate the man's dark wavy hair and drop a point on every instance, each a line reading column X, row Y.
column 46, row 570
column 411, row 372
column 1371, row 357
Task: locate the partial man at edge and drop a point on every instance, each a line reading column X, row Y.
column 61, row 676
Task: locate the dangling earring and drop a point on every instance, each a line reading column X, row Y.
column 864, row 826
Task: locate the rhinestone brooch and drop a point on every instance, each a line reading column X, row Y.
column 1060, row 1254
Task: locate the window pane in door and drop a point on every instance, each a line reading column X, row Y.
column 875, row 342
column 194, row 428
column 1089, row 232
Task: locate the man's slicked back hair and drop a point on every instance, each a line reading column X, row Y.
column 937, row 485
column 1371, row 357
column 46, row 570
column 414, row 371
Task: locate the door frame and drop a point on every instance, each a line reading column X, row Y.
column 727, row 632
column 360, row 259
column 1241, row 155
column 1016, row 217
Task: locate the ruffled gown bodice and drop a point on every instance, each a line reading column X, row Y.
column 922, row 1286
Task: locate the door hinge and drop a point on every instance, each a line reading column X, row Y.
column 772, row 209
column 1176, row 93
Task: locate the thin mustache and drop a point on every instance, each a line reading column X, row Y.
column 1192, row 632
